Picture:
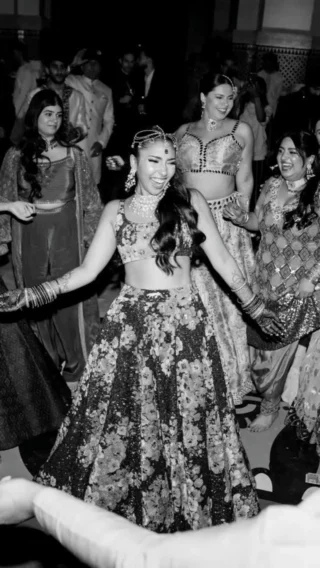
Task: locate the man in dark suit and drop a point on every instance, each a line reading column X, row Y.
column 156, row 98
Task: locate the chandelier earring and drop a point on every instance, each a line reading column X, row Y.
column 131, row 180
column 309, row 172
column 203, row 106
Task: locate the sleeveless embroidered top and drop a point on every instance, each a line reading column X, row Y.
column 218, row 156
column 133, row 239
column 284, row 256
column 56, row 179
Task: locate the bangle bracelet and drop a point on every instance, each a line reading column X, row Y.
column 246, row 219
column 240, row 287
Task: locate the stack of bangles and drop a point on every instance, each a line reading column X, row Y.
column 38, row 296
column 254, row 307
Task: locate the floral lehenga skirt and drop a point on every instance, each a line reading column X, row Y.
column 222, row 306
column 152, row 432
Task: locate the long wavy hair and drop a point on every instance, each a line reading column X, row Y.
column 32, row 144
column 172, row 210
column 306, row 145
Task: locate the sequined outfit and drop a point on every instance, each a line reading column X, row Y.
column 152, row 434
column 284, row 257
column 222, row 156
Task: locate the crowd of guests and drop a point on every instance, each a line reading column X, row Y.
column 206, row 313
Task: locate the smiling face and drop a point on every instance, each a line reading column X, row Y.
column 219, row 102
column 155, row 166
column 49, row 121
column 292, row 166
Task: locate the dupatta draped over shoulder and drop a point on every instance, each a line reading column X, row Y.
column 88, row 211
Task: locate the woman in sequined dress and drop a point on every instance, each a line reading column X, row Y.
column 215, row 156
column 55, row 178
column 152, row 434
column 287, row 216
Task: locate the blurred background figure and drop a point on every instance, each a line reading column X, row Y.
column 273, row 78
column 300, row 108
column 26, row 79
column 99, row 106
column 157, row 95
column 229, row 67
column 252, row 107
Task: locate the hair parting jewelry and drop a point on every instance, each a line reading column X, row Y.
column 234, row 89
column 155, row 134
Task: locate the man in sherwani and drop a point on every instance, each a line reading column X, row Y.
column 99, row 107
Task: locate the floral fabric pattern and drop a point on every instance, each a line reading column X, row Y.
column 152, row 433
column 223, row 308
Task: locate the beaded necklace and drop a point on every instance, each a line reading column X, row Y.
column 145, row 205
column 276, row 209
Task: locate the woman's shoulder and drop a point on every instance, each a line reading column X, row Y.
column 12, row 155
column 13, row 152
column 111, row 209
column 243, row 128
column 182, row 130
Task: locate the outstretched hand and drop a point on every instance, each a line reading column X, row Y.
column 12, row 300
column 16, row 500
column 270, row 324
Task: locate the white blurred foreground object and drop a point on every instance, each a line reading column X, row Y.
column 280, row 536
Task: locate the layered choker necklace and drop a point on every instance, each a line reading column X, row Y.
column 296, row 186
column 145, row 205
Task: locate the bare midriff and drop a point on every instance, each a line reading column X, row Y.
column 147, row 275
column 211, row 185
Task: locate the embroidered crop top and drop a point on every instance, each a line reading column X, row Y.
column 56, row 180
column 218, row 156
column 133, row 239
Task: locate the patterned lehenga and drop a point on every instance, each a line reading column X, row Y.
column 152, row 434
column 222, row 155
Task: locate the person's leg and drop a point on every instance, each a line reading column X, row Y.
column 269, row 373
column 35, row 268
column 64, row 256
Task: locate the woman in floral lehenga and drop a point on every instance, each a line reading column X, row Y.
column 152, row 433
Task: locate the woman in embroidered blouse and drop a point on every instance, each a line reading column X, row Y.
column 54, row 180
column 287, row 264
column 215, row 157
column 152, row 433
